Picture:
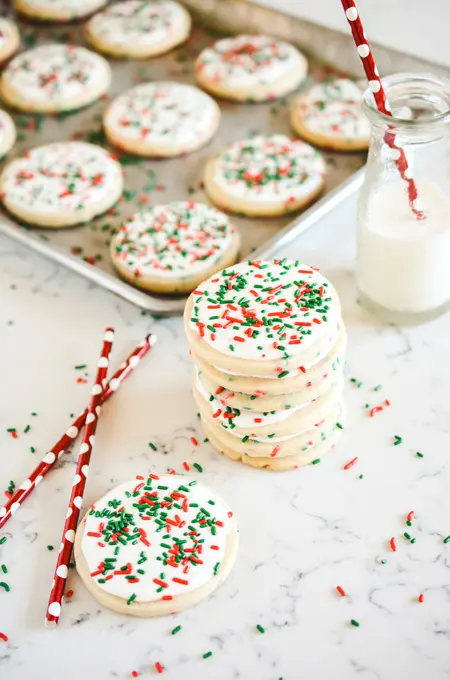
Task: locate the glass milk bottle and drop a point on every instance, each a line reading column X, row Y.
column 403, row 263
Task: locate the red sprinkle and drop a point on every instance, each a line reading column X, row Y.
column 178, row 580
column 351, row 463
column 214, row 547
column 134, row 674
column 186, row 466
column 375, row 409
column 167, row 597
column 341, row 591
column 410, row 515
column 392, row 544
column 420, row 598
column 14, row 435
column 194, row 441
column 4, row 637
column 159, row 667
column 69, row 593
column 275, row 451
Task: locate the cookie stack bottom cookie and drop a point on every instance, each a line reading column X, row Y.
column 268, row 343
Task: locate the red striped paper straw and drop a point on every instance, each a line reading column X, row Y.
column 79, row 484
column 375, row 84
column 61, row 446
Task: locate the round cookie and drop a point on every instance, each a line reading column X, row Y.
column 275, row 463
column 139, row 28
column 258, row 317
column 9, row 39
column 161, row 119
column 329, row 115
column 170, row 570
column 7, row 133
column 265, row 176
column 54, row 78
column 250, row 68
column 57, row 10
column 61, row 184
column 172, row 248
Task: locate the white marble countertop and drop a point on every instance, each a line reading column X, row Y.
column 302, row 533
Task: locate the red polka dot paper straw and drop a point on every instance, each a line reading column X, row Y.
column 79, row 483
column 59, row 449
column 375, row 84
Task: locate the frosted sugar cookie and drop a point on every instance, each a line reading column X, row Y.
column 139, row 28
column 9, row 39
column 161, row 119
column 250, row 68
column 330, row 115
column 54, row 78
column 171, row 248
column 156, row 545
column 258, row 317
column 58, row 10
column 7, row 133
column 61, row 184
column 304, row 455
column 265, row 176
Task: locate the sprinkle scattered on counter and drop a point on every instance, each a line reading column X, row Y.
column 3, row 539
column 351, row 463
column 152, row 446
column 159, row 667
column 134, row 674
column 420, row 455
column 393, row 545
column 50, row 548
column 397, row 440
column 4, row 568
column 176, row 630
column 197, row 467
column 194, row 441
column 207, row 655
column 355, row 623
column 315, row 461
column 5, row 586
column 420, row 598
column 4, row 637
column 341, row 591
column 260, row 628
column 447, row 540
column 356, row 382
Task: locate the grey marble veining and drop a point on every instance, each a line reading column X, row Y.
column 302, row 533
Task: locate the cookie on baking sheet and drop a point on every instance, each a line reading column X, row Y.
column 172, row 248
column 265, row 176
column 250, row 68
column 61, row 184
column 7, row 133
column 329, row 115
column 161, row 119
column 145, row 575
column 54, row 78
column 9, row 39
column 57, row 10
column 139, row 29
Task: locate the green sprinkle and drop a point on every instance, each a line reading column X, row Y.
column 315, row 461
column 4, row 569
column 408, row 523
column 80, row 367
column 446, row 540
column 413, row 540
column 3, row 539
column 406, row 535
column 131, row 598
column 5, row 586
column 50, row 548
column 205, row 656
column 27, row 429
column 176, row 630
column 260, row 628
column 419, row 454
column 397, row 439
column 152, row 446
column 354, row 622
column 197, row 467
column 377, row 388
column 32, row 449
column 340, row 426
column 361, row 476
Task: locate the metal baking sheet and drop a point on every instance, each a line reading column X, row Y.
column 85, row 249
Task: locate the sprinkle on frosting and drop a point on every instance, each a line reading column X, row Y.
column 154, row 538
column 169, row 241
column 57, row 177
column 265, row 310
column 270, row 168
column 137, row 22
column 59, row 73
column 248, row 60
column 172, row 113
column 333, row 108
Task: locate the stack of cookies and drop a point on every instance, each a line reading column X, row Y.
column 268, row 343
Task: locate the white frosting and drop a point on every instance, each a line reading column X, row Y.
column 138, row 22
column 268, row 169
column 248, row 60
column 7, row 132
column 9, row 40
column 59, row 73
column 333, row 108
column 403, row 263
column 246, row 420
column 63, row 176
column 66, row 8
column 172, row 241
column 151, row 543
column 260, row 298
column 169, row 113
